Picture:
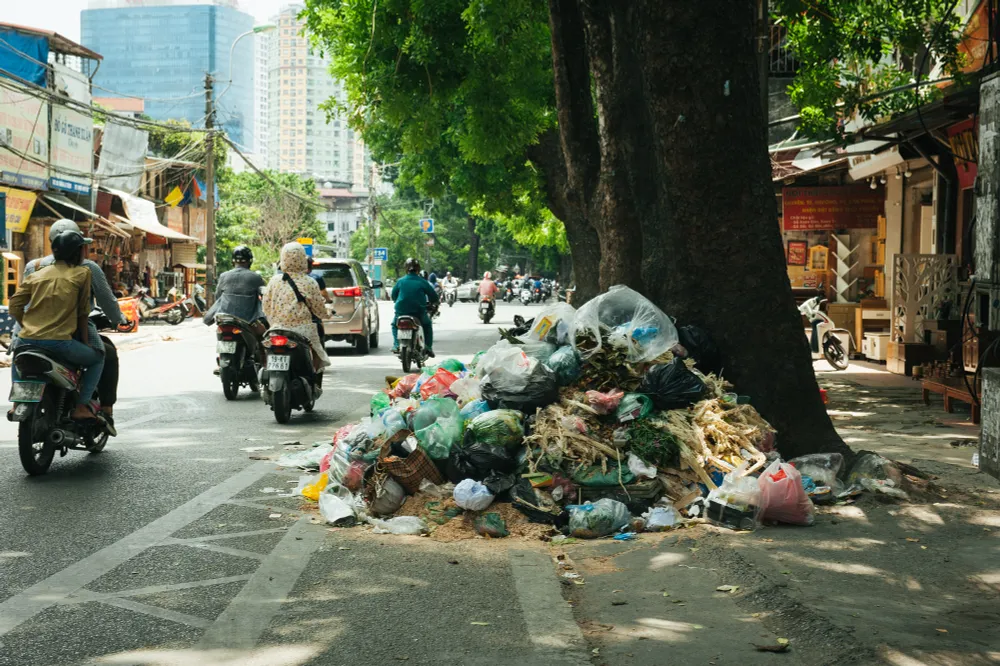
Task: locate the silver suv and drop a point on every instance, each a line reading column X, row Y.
column 354, row 303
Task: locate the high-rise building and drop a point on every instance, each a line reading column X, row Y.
column 261, row 46
column 160, row 50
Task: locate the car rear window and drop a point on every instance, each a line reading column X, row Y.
column 336, row 276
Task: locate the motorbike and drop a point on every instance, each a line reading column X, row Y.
column 287, row 380
column 239, row 351
column 508, row 293
column 152, row 309
column 44, row 396
column 450, row 295
column 410, row 334
column 825, row 340
column 487, row 308
column 525, row 296
column 536, row 295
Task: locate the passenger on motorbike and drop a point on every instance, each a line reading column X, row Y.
column 411, row 294
column 487, row 288
column 59, row 296
column 107, row 388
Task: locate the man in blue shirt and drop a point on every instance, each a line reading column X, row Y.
column 411, row 294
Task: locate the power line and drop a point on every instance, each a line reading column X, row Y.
column 267, row 177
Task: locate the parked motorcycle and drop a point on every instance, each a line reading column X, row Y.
column 153, row 309
column 410, row 334
column 44, row 396
column 240, row 353
column 825, row 340
column 487, row 308
column 287, row 380
column 525, row 296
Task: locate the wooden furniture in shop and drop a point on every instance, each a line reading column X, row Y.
column 873, row 316
column 953, row 388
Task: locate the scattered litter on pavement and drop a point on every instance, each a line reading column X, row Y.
column 252, row 449
column 275, row 515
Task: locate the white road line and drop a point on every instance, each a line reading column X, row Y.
column 249, row 613
column 83, row 596
column 140, row 420
column 235, row 552
column 228, row 535
column 162, row 613
column 22, row 607
column 553, row 632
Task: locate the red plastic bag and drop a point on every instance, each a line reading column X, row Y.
column 355, row 476
column 438, row 384
column 404, row 386
column 784, row 499
column 605, row 403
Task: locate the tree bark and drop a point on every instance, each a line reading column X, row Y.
column 473, row 269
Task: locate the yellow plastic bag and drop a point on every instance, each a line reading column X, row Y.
column 312, row 492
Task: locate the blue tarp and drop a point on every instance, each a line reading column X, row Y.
column 21, row 56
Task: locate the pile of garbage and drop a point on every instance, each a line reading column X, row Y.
column 592, row 422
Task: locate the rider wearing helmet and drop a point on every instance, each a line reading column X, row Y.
column 238, row 292
column 411, row 294
column 487, row 288
column 449, row 281
column 105, row 299
column 59, row 298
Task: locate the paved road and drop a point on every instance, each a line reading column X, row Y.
column 161, row 549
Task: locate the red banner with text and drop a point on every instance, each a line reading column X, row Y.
column 831, row 208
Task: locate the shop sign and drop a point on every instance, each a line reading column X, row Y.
column 831, row 208
column 965, row 146
column 24, row 131
column 72, row 161
column 19, row 207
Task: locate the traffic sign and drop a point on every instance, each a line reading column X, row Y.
column 430, row 242
column 306, row 243
column 427, row 225
column 380, row 254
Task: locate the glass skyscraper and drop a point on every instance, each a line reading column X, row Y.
column 160, row 50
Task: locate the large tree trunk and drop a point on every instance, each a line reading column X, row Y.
column 473, row 268
column 683, row 158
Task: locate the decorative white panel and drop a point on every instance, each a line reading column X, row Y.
column 925, row 286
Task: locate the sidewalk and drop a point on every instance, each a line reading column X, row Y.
column 150, row 333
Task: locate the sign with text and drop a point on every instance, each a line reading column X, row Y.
column 24, row 137
column 19, row 206
column 831, row 208
column 965, row 146
column 72, row 157
column 380, row 254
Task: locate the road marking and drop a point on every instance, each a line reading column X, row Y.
column 228, row 535
column 249, row 613
column 140, row 420
column 83, row 596
column 553, row 632
column 235, row 552
column 162, row 613
column 23, row 606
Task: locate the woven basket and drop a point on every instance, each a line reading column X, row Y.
column 411, row 470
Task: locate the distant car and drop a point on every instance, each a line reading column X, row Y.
column 355, row 306
column 469, row 291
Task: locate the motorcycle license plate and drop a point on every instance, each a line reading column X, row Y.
column 226, row 347
column 279, row 362
column 405, row 334
column 27, row 391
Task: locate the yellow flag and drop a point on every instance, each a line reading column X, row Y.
column 174, row 197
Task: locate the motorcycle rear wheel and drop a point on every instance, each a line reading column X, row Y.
column 36, row 457
column 230, row 382
column 404, row 356
column 97, row 445
column 834, row 353
column 281, row 402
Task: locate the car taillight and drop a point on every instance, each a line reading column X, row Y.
column 348, row 292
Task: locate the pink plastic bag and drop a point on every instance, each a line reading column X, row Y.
column 438, row 384
column 605, row 403
column 784, row 499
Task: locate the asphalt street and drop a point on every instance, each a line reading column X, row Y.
column 163, row 549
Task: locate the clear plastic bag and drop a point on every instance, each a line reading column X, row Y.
column 633, row 407
column 634, row 323
column 566, row 364
column 605, row 403
column 472, row 495
column 823, row 468
column 308, row 459
column 553, row 324
column 474, row 409
column 392, row 422
column 784, row 498
column 737, row 503
column 507, row 365
column 540, row 351
column 466, row 390
column 660, row 518
column 339, row 506
column 402, row 525
column 602, row 518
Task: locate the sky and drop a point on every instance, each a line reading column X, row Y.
column 63, row 16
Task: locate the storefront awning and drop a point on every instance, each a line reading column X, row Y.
column 141, row 214
column 49, row 199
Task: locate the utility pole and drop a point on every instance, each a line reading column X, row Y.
column 210, row 194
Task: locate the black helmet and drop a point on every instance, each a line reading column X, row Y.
column 242, row 254
column 412, row 265
column 66, row 245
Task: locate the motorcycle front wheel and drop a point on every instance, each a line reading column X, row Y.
column 175, row 316
column 834, row 353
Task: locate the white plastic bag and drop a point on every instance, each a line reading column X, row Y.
column 737, row 503
column 634, row 323
column 507, row 365
column 399, row 525
column 308, row 459
column 553, row 324
column 660, row 518
column 640, row 468
column 336, row 510
column 472, row 495
column 466, row 390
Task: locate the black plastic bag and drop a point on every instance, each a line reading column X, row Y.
column 701, row 348
column 542, row 390
column 499, row 483
column 476, row 460
column 535, row 507
column 672, row 386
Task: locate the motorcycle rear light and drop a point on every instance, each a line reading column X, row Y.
column 406, row 324
column 348, row 292
column 279, row 341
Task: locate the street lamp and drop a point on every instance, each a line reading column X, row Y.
column 257, row 30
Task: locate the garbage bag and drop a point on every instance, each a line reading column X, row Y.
column 499, row 483
column 672, row 385
column 507, row 365
column 404, row 386
column 452, row 365
column 784, row 498
column 432, row 410
column 565, row 363
column 604, row 403
column 491, row 525
column 634, row 406
column 537, row 505
column 874, row 473
column 699, row 346
column 313, row 490
column 399, row 525
column 392, row 423
column 737, row 503
column 660, row 518
column 466, row 390
column 308, row 459
column 438, row 384
column 539, row 390
column 500, row 427
column 474, row 409
column 553, row 324
column 438, row 438
column 823, row 468
column 540, row 351
column 476, row 460
column 354, row 477
column 635, row 323
column 598, row 519
column 472, row 495
column 388, row 498
column 474, row 363
column 594, row 475
column 339, row 506
column 379, row 403
column 641, row 468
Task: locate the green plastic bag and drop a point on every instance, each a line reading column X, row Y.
column 593, row 476
column 475, row 360
column 634, row 406
column 379, row 403
column 566, row 364
column 500, row 427
column 438, row 438
column 452, row 365
column 491, row 524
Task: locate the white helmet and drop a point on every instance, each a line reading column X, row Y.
column 62, row 225
column 487, row 275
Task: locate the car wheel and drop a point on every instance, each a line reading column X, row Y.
column 373, row 340
column 361, row 344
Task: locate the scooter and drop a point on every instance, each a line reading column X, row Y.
column 487, row 308
column 824, row 338
column 537, row 296
column 240, row 355
column 150, row 309
column 450, row 295
column 287, row 379
column 525, row 296
column 508, row 293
